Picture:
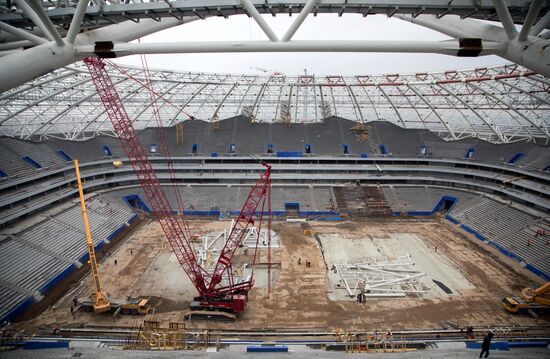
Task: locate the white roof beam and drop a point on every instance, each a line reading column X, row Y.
column 530, row 19
column 482, row 118
column 34, row 10
column 443, row 122
column 299, row 20
column 22, row 34
column 509, row 107
column 392, row 105
column 76, row 21
column 542, row 24
column 252, row 11
column 505, row 18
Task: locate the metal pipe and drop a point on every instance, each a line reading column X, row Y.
column 40, row 14
column 33, row 16
column 22, row 33
column 505, row 18
column 15, row 45
column 447, row 47
column 299, row 20
column 542, row 24
column 249, row 7
column 530, row 19
column 76, row 21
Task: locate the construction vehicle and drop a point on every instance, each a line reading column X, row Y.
column 100, row 302
column 536, row 300
column 217, row 288
column 132, row 306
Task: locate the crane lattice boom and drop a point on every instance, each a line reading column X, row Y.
column 215, row 293
column 145, row 174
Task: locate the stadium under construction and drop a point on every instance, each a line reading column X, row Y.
column 154, row 209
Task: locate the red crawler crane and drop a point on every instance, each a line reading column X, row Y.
column 217, row 291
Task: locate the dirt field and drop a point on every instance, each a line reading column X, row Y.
column 300, row 295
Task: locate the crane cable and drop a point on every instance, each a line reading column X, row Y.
column 144, row 85
column 164, row 145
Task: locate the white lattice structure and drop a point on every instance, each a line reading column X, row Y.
column 501, row 104
column 42, row 42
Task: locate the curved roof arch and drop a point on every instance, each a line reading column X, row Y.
column 499, row 104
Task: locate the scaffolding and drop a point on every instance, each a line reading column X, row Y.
column 361, row 132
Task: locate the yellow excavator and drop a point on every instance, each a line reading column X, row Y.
column 536, row 300
column 100, row 302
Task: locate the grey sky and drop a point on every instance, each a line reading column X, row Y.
column 322, row 27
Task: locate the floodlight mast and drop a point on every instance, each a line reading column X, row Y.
column 216, row 295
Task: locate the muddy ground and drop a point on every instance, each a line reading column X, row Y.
column 299, row 296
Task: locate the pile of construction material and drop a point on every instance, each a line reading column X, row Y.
column 380, row 277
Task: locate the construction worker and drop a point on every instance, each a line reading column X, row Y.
column 469, row 332
column 486, row 344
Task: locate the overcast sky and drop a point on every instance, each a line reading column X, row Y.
column 322, row 27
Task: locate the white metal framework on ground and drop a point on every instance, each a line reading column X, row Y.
column 499, row 104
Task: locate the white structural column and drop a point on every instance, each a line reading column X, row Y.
column 220, row 104
column 355, row 104
column 530, row 19
column 299, row 20
column 76, row 21
column 251, row 10
column 505, row 18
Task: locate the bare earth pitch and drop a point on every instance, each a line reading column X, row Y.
column 309, row 297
